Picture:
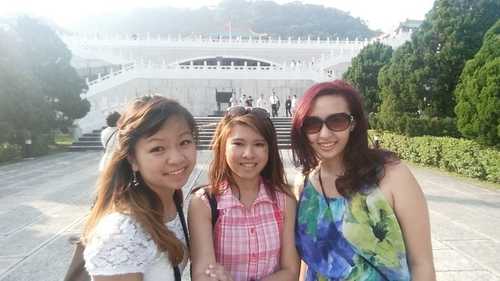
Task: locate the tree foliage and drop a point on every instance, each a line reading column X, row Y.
column 245, row 18
column 364, row 70
column 49, row 60
column 39, row 90
column 422, row 75
column 478, row 93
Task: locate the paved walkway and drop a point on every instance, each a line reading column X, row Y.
column 44, row 201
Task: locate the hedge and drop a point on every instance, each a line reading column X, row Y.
column 461, row 156
column 10, row 152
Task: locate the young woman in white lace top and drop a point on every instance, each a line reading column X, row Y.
column 135, row 231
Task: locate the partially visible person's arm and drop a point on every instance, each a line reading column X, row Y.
column 289, row 259
column 411, row 210
column 202, row 245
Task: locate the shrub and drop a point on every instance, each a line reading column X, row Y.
column 464, row 157
column 9, row 152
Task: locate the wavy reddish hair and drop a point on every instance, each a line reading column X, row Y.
column 362, row 163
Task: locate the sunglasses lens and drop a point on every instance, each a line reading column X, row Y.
column 338, row 122
column 236, row 111
column 260, row 111
column 312, row 125
column 241, row 110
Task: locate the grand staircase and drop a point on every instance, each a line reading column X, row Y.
column 206, row 129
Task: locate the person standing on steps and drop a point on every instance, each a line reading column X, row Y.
column 288, row 107
column 262, row 102
column 294, row 104
column 275, row 104
column 108, row 138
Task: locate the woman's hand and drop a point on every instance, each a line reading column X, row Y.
column 217, row 272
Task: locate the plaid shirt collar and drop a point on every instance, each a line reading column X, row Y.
column 228, row 200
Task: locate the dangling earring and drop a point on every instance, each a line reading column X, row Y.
column 135, row 182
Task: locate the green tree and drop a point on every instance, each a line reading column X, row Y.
column 478, row 93
column 423, row 74
column 39, row 90
column 23, row 109
column 364, row 70
column 49, row 61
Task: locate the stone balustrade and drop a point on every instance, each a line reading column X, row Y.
column 217, row 42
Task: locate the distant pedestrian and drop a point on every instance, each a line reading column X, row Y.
column 243, row 100
column 294, row 104
column 108, row 138
column 288, row 107
column 262, row 102
column 233, row 101
column 249, row 102
column 275, row 104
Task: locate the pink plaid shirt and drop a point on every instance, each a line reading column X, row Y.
column 247, row 241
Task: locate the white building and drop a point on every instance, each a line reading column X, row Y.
column 191, row 70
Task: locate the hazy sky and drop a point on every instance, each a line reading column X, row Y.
column 380, row 14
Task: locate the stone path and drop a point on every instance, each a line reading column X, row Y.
column 44, row 201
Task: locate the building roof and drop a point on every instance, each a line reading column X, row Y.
column 408, row 23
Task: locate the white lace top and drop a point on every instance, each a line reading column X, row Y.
column 119, row 245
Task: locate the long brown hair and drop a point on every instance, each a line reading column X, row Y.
column 363, row 165
column 115, row 193
column 273, row 172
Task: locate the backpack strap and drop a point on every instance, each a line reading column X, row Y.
column 212, row 201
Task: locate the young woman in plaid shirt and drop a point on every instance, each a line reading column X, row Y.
column 253, row 235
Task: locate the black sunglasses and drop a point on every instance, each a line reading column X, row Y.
column 242, row 110
column 336, row 122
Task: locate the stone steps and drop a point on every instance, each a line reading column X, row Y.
column 206, row 130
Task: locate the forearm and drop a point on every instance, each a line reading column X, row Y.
column 423, row 272
column 200, row 276
column 303, row 271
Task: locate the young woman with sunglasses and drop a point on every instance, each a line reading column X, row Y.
column 252, row 236
column 136, row 229
column 361, row 214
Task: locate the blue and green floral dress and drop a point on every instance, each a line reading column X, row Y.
column 356, row 238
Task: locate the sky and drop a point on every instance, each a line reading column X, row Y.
column 381, row 14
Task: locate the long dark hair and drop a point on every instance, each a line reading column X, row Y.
column 115, row 192
column 273, row 172
column 363, row 165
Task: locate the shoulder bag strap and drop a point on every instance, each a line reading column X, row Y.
column 182, row 218
column 213, row 207
column 180, row 212
column 109, row 138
